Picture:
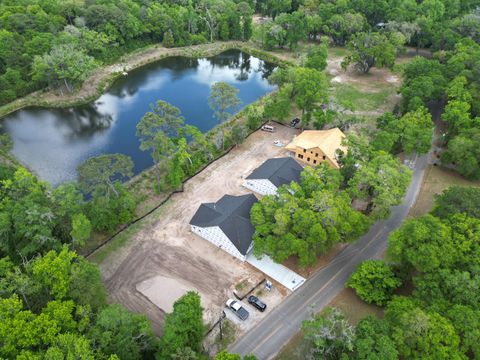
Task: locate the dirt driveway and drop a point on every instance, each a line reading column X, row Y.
column 164, row 259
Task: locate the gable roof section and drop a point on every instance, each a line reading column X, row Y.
column 326, row 140
column 232, row 215
column 279, row 171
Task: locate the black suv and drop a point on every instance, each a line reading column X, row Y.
column 294, row 122
column 260, row 305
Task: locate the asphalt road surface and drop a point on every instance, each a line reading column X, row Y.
column 268, row 337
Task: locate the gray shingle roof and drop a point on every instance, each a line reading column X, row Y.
column 232, row 215
column 279, row 171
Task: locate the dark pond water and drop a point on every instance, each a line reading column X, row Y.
column 53, row 142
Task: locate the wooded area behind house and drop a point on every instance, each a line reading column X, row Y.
column 53, row 304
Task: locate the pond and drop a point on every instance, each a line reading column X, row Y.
column 53, row 142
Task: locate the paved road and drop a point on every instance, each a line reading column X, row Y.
column 267, row 338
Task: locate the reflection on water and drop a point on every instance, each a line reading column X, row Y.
column 53, row 142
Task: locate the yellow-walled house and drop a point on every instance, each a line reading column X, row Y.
column 316, row 146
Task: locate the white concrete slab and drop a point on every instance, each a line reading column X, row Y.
column 288, row 278
column 163, row 291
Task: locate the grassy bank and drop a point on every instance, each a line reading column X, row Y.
column 103, row 78
column 43, row 98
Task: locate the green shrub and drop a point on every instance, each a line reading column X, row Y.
column 374, row 281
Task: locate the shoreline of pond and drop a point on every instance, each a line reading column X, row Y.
column 101, row 80
column 51, row 142
column 147, row 199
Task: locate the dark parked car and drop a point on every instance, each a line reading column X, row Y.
column 237, row 308
column 256, row 302
column 294, row 122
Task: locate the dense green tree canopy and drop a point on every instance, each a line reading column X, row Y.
column 340, row 27
column 445, row 287
column 457, row 200
column 223, row 97
column 111, row 203
column 119, row 332
column 464, row 153
column 55, row 307
column 306, row 87
column 457, row 115
column 381, row 182
column 422, row 243
column 368, row 50
column 62, row 40
column 310, row 88
column 306, row 219
column 65, row 66
column 278, row 107
column 183, row 327
column 419, row 334
column 317, row 57
column 423, row 81
column 441, row 255
column 330, row 334
column 374, row 282
column 372, row 341
column 35, row 219
column 99, row 174
column 410, row 133
column 466, row 321
column 158, row 130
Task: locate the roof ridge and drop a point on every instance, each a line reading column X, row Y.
column 242, row 199
column 285, row 160
column 331, row 132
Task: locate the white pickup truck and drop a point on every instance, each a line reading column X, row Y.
column 238, row 309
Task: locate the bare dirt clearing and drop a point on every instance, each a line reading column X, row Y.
column 164, row 245
column 367, row 95
column 367, row 82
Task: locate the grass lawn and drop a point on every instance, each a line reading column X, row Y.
column 353, row 307
column 436, row 180
column 296, row 349
column 337, row 51
column 354, row 98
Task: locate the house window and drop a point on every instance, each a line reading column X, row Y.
column 314, row 161
column 324, row 157
column 316, row 154
column 300, row 156
column 308, row 159
column 304, row 150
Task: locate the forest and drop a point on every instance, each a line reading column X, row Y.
column 440, row 319
column 58, row 43
column 53, row 304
